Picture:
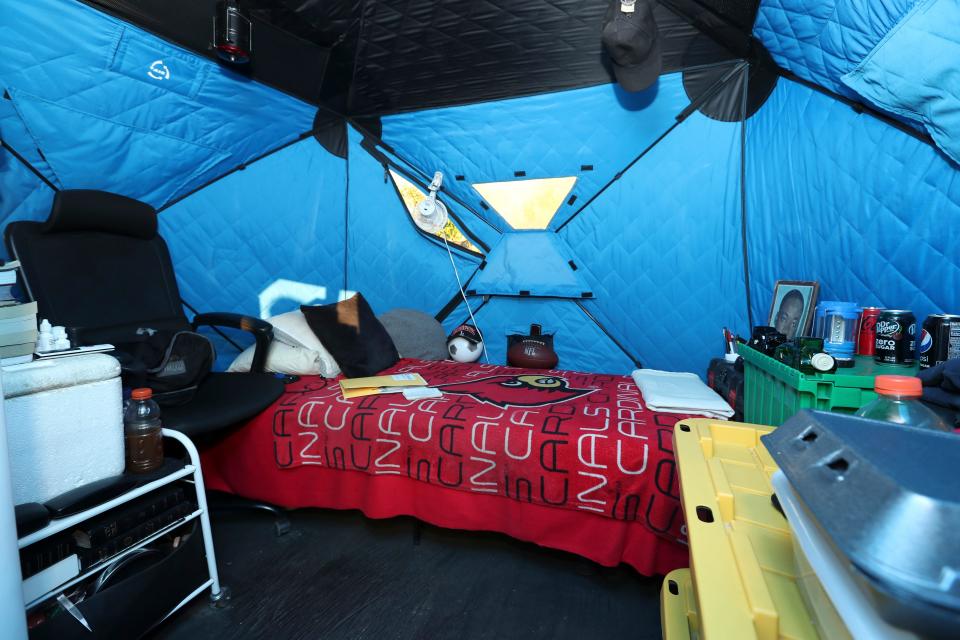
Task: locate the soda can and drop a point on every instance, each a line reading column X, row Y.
column 896, row 341
column 868, row 333
column 939, row 340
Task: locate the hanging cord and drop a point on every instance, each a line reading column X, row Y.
column 463, row 295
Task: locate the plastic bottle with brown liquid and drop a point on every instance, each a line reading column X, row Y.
column 142, row 431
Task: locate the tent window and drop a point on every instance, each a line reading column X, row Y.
column 527, row 204
column 412, row 196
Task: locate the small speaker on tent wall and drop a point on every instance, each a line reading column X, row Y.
column 232, row 33
column 431, row 214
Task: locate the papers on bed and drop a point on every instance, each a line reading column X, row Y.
column 672, row 392
column 376, row 385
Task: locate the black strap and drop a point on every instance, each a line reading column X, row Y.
column 216, row 329
column 626, row 352
column 743, row 195
column 24, row 162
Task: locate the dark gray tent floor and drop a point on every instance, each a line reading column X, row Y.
column 340, row 575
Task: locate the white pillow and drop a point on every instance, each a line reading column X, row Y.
column 295, row 350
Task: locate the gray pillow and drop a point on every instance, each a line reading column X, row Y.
column 416, row 334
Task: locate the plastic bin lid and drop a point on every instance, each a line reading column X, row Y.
column 888, row 496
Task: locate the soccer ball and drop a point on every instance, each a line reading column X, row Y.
column 462, row 350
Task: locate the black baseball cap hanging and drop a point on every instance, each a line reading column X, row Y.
column 631, row 39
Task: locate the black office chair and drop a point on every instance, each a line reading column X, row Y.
column 98, row 265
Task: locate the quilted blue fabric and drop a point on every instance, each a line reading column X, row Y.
column 892, row 79
column 21, row 194
column 590, row 133
column 845, row 199
column 661, row 248
column 533, row 261
column 821, row 40
column 112, row 107
column 264, row 240
column 388, row 260
column 646, row 248
column 833, row 196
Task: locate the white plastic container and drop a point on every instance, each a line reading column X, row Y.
column 64, row 424
column 830, row 577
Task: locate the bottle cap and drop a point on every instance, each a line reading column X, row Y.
column 822, row 361
column 898, row 386
column 143, row 393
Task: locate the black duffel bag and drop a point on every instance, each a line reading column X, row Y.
column 169, row 358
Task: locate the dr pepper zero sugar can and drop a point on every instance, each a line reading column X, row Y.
column 896, row 341
column 868, row 334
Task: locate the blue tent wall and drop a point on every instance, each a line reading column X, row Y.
column 842, row 198
column 590, row 133
column 266, row 239
column 21, row 192
column 388, row 260
column 115, row 108
column 821, row 41
column 831, row 195
column 839, row 196
column 660, row 248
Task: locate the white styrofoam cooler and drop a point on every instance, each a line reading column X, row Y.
column 64, row 424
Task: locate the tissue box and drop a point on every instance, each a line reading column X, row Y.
column 64, row 424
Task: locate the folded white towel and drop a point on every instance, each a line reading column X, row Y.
column 672, row 392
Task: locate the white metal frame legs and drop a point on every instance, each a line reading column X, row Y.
column 217, row 592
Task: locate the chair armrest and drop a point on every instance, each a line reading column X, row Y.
column 261, row 329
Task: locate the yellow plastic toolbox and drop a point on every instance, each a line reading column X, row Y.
column 678, row 607
column 742, row 562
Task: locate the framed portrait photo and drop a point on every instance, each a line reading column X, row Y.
column 792, row 309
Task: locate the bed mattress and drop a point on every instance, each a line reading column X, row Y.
column 567, row 460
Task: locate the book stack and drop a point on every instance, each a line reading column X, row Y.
column 18, row 320
column 107, row 535
column 47, row 564
column 44, row 554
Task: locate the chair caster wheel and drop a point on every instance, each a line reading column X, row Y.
column 222, row 599
column 282, row 526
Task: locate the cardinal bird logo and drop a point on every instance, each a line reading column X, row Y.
column 517, row 391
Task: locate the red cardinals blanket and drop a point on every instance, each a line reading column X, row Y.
column 583, row 443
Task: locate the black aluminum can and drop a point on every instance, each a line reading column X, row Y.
column 896, row 341
column 940, row 339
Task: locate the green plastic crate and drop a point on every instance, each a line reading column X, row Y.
column 773, row 392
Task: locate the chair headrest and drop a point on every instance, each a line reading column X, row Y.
column 89, row 210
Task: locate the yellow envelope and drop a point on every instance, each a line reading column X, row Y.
column 374, row 385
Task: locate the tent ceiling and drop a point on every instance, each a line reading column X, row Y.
column 371, row 57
